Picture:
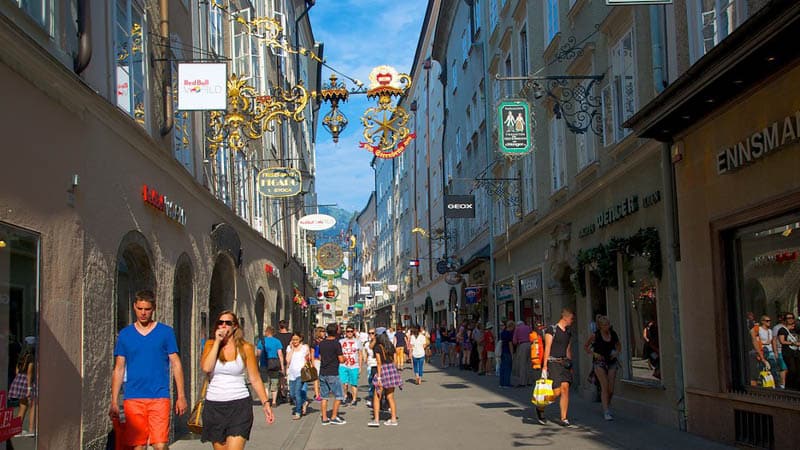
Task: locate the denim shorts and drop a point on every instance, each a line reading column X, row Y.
column 348, row 375
column 331, row 384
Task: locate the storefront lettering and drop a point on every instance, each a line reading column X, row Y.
column 164, row 204
column 759, row 144
column 651, row 199
column 617, row 212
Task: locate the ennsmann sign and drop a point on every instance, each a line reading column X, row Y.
column 759, row 144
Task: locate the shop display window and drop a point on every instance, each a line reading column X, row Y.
column 764, row 276
column 642, row 339
column 19, row 327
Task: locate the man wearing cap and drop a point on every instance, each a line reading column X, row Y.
column 487, row 354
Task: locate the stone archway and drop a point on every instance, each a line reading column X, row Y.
column 134, row 273
column 183, row 310
column 223, row 287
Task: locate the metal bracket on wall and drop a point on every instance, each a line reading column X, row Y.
column 503, row 190
column 576, row 104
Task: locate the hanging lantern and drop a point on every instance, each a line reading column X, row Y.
column 334, row 92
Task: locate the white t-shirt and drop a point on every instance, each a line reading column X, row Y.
column 297, row 362
column 371, row 360
column 350, row 350
column 417, row 345
column 765, row 335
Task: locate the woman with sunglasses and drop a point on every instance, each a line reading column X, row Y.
column 228, row 414
column 297, row 355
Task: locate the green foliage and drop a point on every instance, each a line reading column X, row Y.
column 603, row 258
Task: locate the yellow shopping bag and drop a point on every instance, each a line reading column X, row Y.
column 767, row 381
column 543, row 393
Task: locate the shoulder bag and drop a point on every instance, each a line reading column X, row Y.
column 195, row 422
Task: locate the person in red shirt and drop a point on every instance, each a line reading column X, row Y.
column 487, row 355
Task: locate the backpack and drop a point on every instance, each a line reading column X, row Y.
column 537, row 349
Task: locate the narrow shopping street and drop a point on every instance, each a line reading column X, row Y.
column 457, row 409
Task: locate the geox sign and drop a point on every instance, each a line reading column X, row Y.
column 459, row 206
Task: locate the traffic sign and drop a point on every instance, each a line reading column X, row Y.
column 514, row 126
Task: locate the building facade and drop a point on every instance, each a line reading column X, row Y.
column 729, row 123
column 121, row 194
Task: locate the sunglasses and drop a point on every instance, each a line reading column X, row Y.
column 371, row 332
column 225, row 322
column 349, row 331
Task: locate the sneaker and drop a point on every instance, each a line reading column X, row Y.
column 607, row 415
column 355, row 403
column 326, row 421
column 540, row 417
column 338, row 421
column 296, row 416
column 369, row 404
column 318, row 399
column 390, row 423
column 565, row 423
column 374, row 424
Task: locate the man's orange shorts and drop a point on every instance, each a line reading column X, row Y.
column 146, row 421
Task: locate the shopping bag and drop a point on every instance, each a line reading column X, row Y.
column 767, row 381
column 543, row 393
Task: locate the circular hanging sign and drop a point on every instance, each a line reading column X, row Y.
column 441, row 267
column 330, row 256
column 316, row 222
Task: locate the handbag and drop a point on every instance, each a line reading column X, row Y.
column 195, row 422
column 308, row 373
column 543, row 393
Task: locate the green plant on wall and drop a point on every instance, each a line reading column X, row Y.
column 603, row 258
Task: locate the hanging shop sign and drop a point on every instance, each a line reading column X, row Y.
column 759, row 144
column 505, row 292
column 202, row 87
column 514, row 126
column 442, row 267
column 472, row 295
column 316, row 222
column 279, row 182
column 459, row 206
column 162, row 203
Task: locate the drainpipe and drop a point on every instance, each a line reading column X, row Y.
column 81, row 60
column 487, row 116
column 673, row 254
column 169, row 119
column 657, row 30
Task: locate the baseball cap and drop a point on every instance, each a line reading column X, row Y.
column 380, row 330
column 489, row 325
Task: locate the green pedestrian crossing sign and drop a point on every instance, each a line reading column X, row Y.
column 514, row 126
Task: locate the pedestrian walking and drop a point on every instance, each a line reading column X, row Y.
column 506, row 350
column 558, row 363
column 285, row 336
column 400, row 345
column 487, row 357
column 145, row 353
column 386, row 380
column 228, row 411
column 271, row 363
column 419, row 344
column 372, row 365
column 604, row 346
column 318, row 337
column 297, row 356
column 789, row 337
column 349, row 369
column 330, row 354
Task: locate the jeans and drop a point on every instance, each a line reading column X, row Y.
column 418, row 362
column 505, row 369
column 299, row 394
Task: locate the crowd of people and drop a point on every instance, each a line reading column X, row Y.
column 288, row 367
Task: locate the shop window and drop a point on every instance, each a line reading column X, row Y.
column 19, row 325
column 129, row 54
column 642, row 328
column 764, row 278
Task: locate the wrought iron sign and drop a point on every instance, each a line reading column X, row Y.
column 575, row 103
column 250, row 114
column 385, row 129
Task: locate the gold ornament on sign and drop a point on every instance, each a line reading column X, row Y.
column 250, row 114
column 385, row 131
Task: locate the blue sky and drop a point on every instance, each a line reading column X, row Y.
column 358, row 35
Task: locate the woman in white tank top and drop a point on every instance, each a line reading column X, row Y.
column 228, row 414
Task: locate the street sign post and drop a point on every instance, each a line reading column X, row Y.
column 514, row 127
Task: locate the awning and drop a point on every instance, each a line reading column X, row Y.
column 756, row 50
column 475, row 260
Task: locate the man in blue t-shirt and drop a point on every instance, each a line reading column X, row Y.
column 143, row 355
column 270, row 362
